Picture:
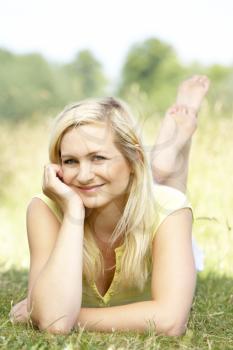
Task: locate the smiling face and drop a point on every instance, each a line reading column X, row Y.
column 93, row 166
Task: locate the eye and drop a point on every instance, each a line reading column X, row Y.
column 69, row 161
column 96, row 157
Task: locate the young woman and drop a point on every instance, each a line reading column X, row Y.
column 110, row 237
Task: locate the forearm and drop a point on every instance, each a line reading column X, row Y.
column 140, row 317
column 114, row 318
column 57, row 292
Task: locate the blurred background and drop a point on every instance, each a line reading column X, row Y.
column 54, row 53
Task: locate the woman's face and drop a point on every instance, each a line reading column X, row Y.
column 93, row 166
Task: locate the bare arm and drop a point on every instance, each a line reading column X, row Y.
column 173, row 285
column 57, row 291
column 55, row 283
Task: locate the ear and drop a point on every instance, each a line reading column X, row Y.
column 138, row 156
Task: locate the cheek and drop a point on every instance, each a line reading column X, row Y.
column 118, row 170
column 68, row 173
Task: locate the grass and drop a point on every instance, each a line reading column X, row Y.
column 210, row 324
column 210, row 191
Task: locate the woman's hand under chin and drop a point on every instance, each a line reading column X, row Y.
column 55, row 188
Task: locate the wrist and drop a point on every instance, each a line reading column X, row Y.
column 75, row 214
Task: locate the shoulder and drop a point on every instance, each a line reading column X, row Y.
column 43, row 224
column 43, row 227
column 41, row 204
column 167, row 201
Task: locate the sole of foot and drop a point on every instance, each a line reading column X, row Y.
column 192, row 91
column 178, row 126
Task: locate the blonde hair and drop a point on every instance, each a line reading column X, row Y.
column 137, row 222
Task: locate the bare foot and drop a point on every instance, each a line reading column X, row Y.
column 175, row 134
column 192, row 91
column 171, row 151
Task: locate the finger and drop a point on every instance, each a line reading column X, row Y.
column 19, row 310
column 51, row 173
column 55, row 170
column 14, row 309
column 56, row 167
column 18, row 318
column 46, row 174
column 60, row 174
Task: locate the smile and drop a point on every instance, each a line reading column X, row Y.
column 90, row 189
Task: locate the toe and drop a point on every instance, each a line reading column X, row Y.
column 172, row 109
column 205, row 81
column 196, row 78
column 183, row 109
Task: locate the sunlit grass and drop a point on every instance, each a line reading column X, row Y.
column 23, row 155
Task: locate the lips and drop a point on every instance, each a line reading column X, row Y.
column 89, row 188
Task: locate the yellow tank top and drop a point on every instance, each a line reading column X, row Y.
column 168, row 200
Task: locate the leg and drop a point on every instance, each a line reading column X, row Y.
column 170, row 154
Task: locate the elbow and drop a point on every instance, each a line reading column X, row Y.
column 53, row 324
column 171, row 328
column 57, row 328
column 176, row 330
column 62, row 326
column 171, row 325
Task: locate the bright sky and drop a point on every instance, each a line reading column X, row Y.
column 198, row 29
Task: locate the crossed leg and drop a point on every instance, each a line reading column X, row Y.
column 170, row 154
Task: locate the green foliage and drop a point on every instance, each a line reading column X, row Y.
column 221, row 94
column 86, row 74
column 29, row 84
column 144, row 62
column 26, row 84
column 153, row 68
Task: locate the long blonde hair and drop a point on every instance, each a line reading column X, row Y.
column 137, row 222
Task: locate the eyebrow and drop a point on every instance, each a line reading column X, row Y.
column 72, row 155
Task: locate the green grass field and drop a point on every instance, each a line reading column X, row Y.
column 24, row 153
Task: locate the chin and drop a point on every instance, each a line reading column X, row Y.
column 92, row 203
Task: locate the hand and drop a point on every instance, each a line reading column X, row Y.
column 19, row 312
column 54, row 187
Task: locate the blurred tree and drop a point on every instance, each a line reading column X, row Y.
column 154, row 68
column 221, row 91
column 30, row 85
column 86, row 75
column 26, row 85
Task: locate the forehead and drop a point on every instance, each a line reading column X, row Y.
column 88, row 138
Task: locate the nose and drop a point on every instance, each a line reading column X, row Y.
column 85, row 173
